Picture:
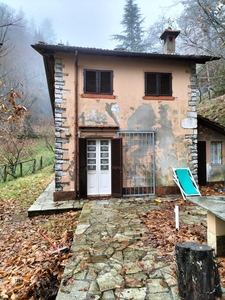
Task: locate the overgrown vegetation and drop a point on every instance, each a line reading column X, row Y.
column 213, row 109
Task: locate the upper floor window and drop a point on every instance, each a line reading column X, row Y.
column 216, row 153
column 98, row 82
column 158, row 84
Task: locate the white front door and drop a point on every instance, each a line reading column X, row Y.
column 98, row 167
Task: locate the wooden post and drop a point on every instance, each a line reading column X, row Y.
column 34, row 166
column 4, row 173
column 21, row 169
column 197, row 272
column 41, row 162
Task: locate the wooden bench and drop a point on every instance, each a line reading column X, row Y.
column 215, row 207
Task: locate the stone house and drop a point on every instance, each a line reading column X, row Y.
column 122, row 119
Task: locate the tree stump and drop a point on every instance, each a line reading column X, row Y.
column 197, row 272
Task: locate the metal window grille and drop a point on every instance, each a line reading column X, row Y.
column 138, row 162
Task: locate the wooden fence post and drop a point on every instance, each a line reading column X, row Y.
column 4, row 174
column 34, row 166
column 197, row 272
column 21, row 169
column 41, row 162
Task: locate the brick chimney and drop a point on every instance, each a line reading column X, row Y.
column 168, row 36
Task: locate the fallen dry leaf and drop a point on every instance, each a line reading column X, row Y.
column 84, row 289
column 28, row 270
column 83, row 265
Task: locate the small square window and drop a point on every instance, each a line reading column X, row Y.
column 158, row 84
column 98, row 82
column 216, row 153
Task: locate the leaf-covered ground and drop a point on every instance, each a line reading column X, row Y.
column 160, row 224
column 29, row 271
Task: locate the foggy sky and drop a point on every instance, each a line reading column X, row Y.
column 86, row 23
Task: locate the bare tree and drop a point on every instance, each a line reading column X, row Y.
column 13, row 145
column 9, row 107
column 202, row 27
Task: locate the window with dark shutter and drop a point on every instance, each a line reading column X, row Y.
column 91, row 81
column 98, row 82
column 151, row 84
column 158, row 84
column 106, row 82
column 166, row 84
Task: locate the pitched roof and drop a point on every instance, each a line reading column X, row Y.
column 46, row 49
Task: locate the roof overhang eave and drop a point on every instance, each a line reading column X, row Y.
column 45, row 50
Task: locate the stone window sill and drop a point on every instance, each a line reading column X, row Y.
column 167, row 98
column 98, row 96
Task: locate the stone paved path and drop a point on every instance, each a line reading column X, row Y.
column 107, row 263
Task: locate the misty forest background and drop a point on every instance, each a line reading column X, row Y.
column 25, row 110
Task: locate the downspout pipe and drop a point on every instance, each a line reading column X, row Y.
column 76, row 125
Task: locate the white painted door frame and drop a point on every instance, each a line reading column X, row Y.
column 98, row 167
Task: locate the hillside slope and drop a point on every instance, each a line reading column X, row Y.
column 213, row 109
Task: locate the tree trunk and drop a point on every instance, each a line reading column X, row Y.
column 197, row 272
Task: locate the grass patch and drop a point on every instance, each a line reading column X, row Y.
column 37, row 150
column 25, row 190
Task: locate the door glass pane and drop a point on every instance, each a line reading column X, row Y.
column 104, row 148
column 104, row 155
column 91, row 148
column 104, row 161
column 104, row 167
column 91, row 155
column 92, row 167
column 91, row 161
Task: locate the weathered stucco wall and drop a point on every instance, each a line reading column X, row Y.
column 174, row 121
column 214, row 172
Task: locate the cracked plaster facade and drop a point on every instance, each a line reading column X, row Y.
column 174, row 121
